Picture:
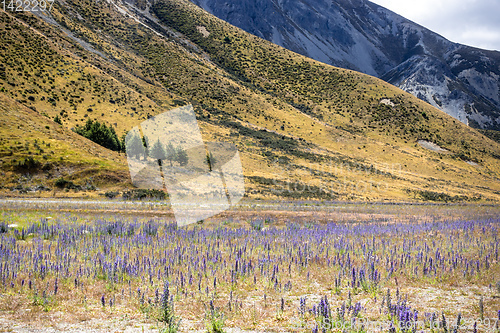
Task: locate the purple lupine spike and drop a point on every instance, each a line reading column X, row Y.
column 302, row 308
column 355, row 309
column 211, row 304
column 497, row 325
column 459, row 320
column 353, row 275
column 443, row 322
column 103, row 301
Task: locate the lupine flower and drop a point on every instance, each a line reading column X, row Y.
column 352, row 255
column 302, row 306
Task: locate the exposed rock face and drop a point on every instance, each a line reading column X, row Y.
column 357, row 34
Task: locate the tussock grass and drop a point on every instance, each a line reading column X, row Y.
column 297, row 123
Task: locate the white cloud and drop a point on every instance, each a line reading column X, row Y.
column 470, row 22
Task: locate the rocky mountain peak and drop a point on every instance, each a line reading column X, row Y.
column 360, row 35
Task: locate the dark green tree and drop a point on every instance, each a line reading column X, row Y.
column 134, row 146
column 113, row 139
column 145, row 144
column 157, row 152
column 100, row 134
column 182, row 156
column 122, row 142
column 210, row 161
column 171, row 154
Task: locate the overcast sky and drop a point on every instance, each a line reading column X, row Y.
column 469, row 22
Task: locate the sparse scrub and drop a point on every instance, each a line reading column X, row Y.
column 28, row 164
column 215, row 319
column 66, row 184
column 111, row 194
column 139, row 194
column 288, row 107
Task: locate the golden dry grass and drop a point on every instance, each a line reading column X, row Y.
column 298, row 124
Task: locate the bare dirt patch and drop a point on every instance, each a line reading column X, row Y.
column 387, row 101
column 203, row 30
column 432, row 146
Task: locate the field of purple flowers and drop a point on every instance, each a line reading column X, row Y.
column 264, row 274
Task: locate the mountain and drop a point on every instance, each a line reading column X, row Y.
column 304, row 129
column 357, row 34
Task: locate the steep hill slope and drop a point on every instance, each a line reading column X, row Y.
column 360, row 35
column 34, row 149
column 304, row 129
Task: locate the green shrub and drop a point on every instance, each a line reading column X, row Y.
column 111, row 194
column 28, row 164
column 100, row 134
column 66, row 184
column 215, row 318
column 139, row 194
column 3, row 228
column 61, row 183
column 443, row 197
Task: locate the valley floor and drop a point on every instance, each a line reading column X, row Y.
column 106, row 266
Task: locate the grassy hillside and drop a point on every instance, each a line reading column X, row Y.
column 35, row 152
column 492, row 134
column 304, row 129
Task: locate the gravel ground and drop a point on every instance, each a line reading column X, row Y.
column 94, row 327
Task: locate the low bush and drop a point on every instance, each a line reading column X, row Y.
column 27, row 164
column 66, row 184
column 139, row 194
column 111, row 194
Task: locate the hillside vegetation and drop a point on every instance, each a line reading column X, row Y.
column 304, row 129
